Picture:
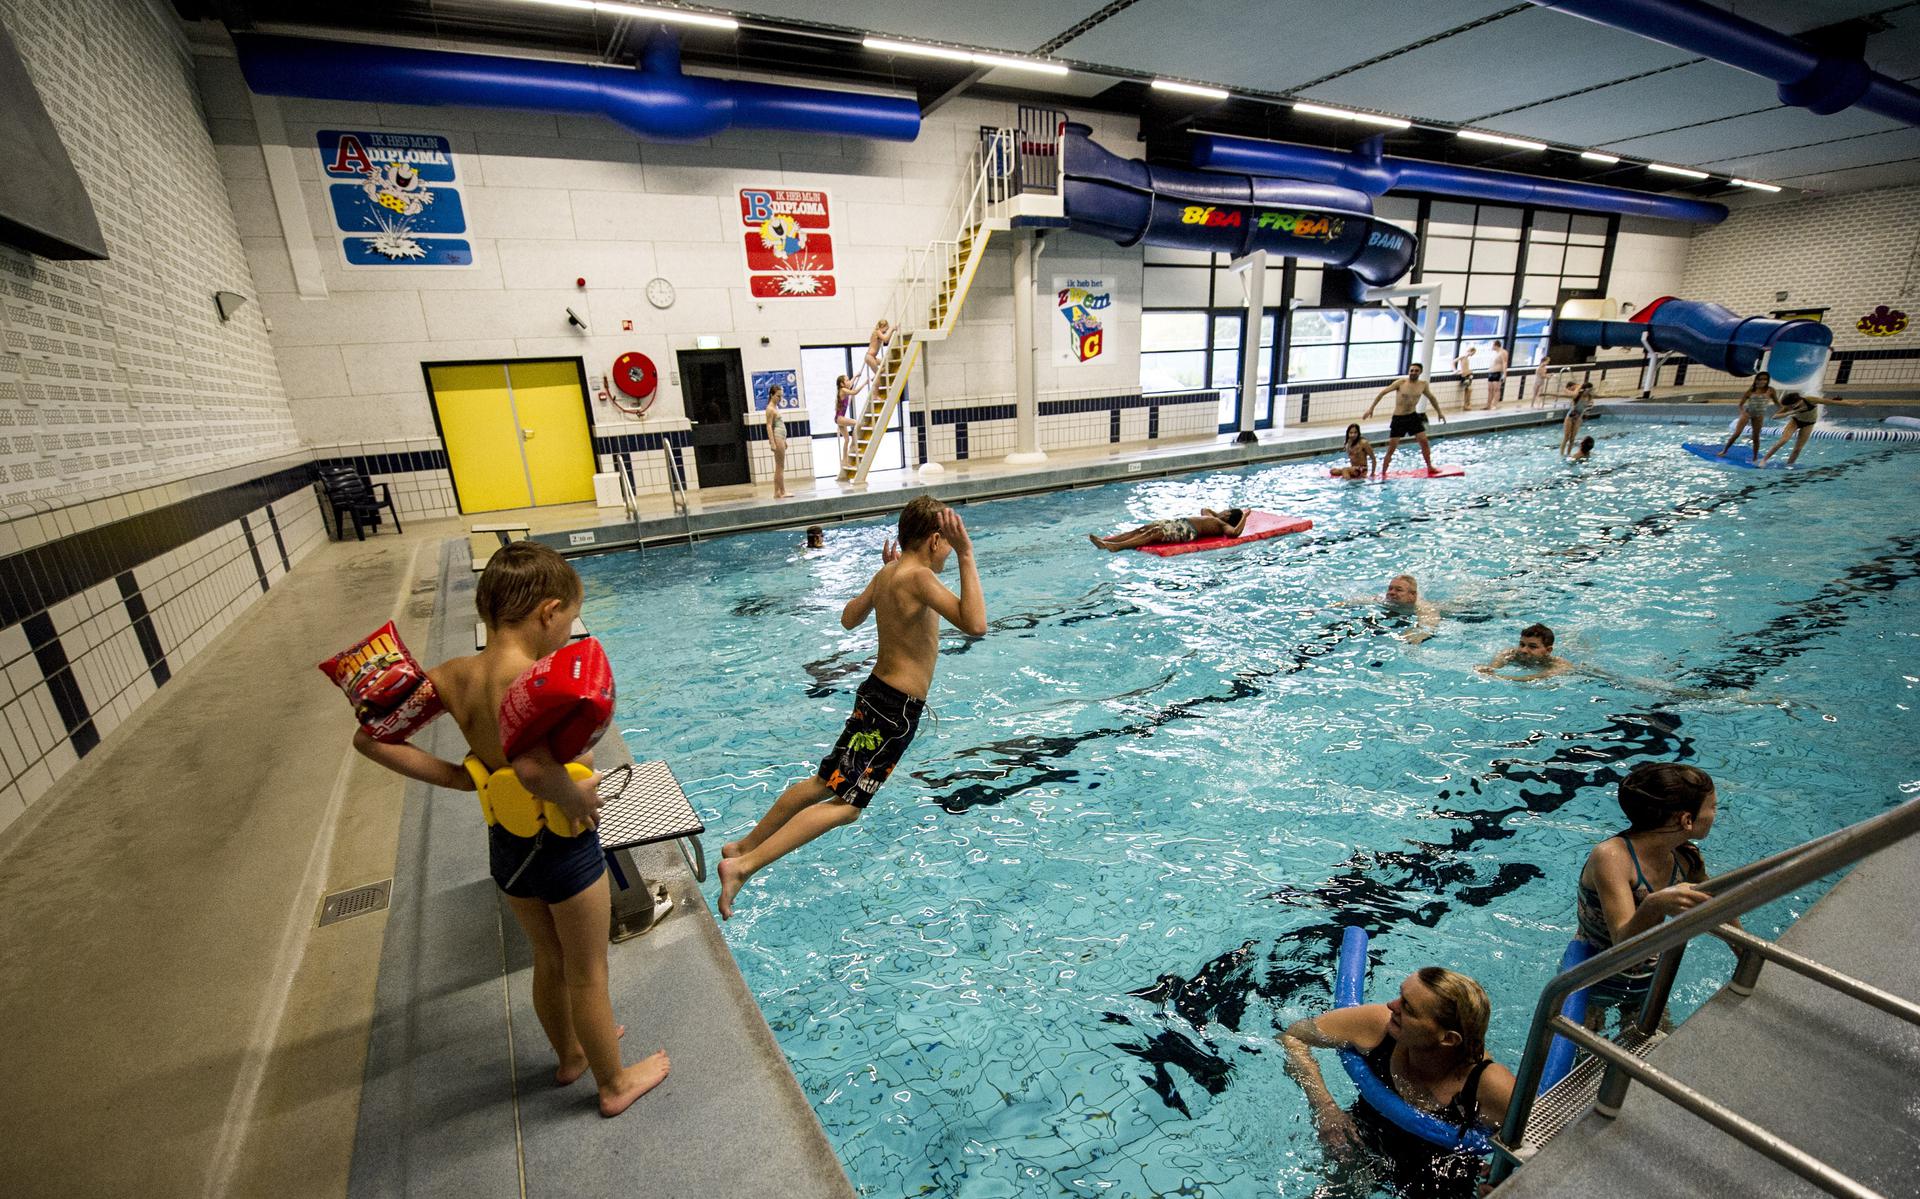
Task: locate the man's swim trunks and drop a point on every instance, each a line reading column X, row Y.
column 1407, row 425
column 1173, row 532
column 883, row 723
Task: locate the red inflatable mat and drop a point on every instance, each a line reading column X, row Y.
column 1438, row 472
column 1259, row 527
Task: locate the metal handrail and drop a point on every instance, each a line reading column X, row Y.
column 677, row 488
column 1734, row 893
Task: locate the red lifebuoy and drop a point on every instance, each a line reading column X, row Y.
column 634, row 375
column 564, row 699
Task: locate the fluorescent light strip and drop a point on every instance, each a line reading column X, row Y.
column 1341, row 114
column 1191, row 89
column 1520, row 143
column 1019, row 64
column 886, row 45
column 1664, row 169
column 1756, row 185
column 1596, row 156
column 889, row 46
column 645, row 13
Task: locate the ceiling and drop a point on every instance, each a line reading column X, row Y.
column 1505, row 67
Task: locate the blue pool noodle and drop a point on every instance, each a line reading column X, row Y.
column 1560, row 1053
column 1349, row 986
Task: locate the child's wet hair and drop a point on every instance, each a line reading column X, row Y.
column 519, row 578
column 919, row 521
column 1538, row 632
column 1654, row 793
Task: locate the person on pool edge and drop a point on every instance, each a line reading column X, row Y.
column 907, row 601
column 1429, row 1047
column 1407, row 421
column 1230, row 523
column 528, row 596
column 1534, row 651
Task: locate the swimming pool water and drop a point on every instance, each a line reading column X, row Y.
column 1054, row 956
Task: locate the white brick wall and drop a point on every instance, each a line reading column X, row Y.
column 1847, row 253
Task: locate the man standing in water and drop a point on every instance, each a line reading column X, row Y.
column 1407, row 421
column 907, row 601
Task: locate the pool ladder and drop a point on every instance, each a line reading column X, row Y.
column 1602, row 1079
column 677, row 486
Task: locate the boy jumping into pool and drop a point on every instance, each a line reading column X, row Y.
column 907, row 601
column 1407, row 421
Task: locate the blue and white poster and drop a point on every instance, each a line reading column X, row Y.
column 765, row 381
column 396, row 198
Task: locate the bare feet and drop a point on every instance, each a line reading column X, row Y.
column 1097, row 543
column 633, row 1082
column 730, row 850
column 575, row 1064
column 731, row 880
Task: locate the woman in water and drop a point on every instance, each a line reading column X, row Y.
column 844, row 394
column 1753, row 413
column 1173, row 532
column 1802, row 413
column 1668, row 807
column 1429, row 1047
column 1577, row 410
column 777, row 440
column 1360, row 460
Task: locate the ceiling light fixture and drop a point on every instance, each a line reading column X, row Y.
column 1191, row 89
column 1596, row 156
column 1498, row 139
column 1756, row 185
column 889, row 46
column 1341, row 114
column 1664, row 169
column 1019, row 64
column 646, row 13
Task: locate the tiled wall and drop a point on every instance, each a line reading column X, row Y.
column 1848, row 253
column 100, row 603
column 967, row 430
column 119, row 373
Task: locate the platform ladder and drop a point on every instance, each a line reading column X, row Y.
column 1600, row 1081
column 926, row 302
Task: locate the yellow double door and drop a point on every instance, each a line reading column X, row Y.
column 516, row 433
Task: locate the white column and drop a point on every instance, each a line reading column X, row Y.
column 283, row 180
column 1026, row 403
column 1253, row 278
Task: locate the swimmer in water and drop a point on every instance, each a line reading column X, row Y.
column 1535, row 653
column 1360, row 457
column 1172, row 532
column 1584, row 452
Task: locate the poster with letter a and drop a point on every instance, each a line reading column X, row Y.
column 1080, row 308
column 789, row 246
column 394, row 198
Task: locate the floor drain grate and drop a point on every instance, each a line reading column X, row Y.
column 355, row 901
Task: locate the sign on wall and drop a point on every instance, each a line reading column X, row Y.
column 789, row 248
column 1882, row 322
column 1080, row 310
column 765, row 381
column 394, row 199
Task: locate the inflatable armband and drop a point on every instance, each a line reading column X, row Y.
column 565, row 700
column 392, row 696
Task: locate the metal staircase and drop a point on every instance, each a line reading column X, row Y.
column 1009, row 179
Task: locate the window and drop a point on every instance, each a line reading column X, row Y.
column 820, row 366
column 1530, row 335
column 1345, row 343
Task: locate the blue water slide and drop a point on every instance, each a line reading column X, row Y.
column 1127, row 201
column 1714, row 337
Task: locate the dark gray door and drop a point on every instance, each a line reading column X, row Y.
column 715, row 391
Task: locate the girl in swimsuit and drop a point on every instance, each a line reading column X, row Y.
column 1668, row 807
column 844, row 394
column 1359, row 456
column 1570, row 427
column 882, row 334
column 1753, row 412
column 1802, row 413
column 1429, row 1045
column 777, row 440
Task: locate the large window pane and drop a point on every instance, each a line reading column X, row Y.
column 1182, row 371
column 1172, row 330
column 1528, row 351
column 1446, row 253
column 1374, row 324
column 1481, row 324
column 1267, row 324
column 1490, row 289
column 1226, row 370
column 1175, row 287
column 1313, row 362
column 1319, row 326
column 1373, row 360
column 1534, row 322
column 1226, row 332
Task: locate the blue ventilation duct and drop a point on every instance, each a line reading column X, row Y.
column 1820, row 83
column 656, row 102
column 1366, row 169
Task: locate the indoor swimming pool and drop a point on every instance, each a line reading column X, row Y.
column 1055, row 954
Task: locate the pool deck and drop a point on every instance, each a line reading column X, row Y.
column 178, row 1025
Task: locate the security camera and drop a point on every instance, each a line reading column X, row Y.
column 574, row 320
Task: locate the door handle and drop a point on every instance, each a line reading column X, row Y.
column 526, row 434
